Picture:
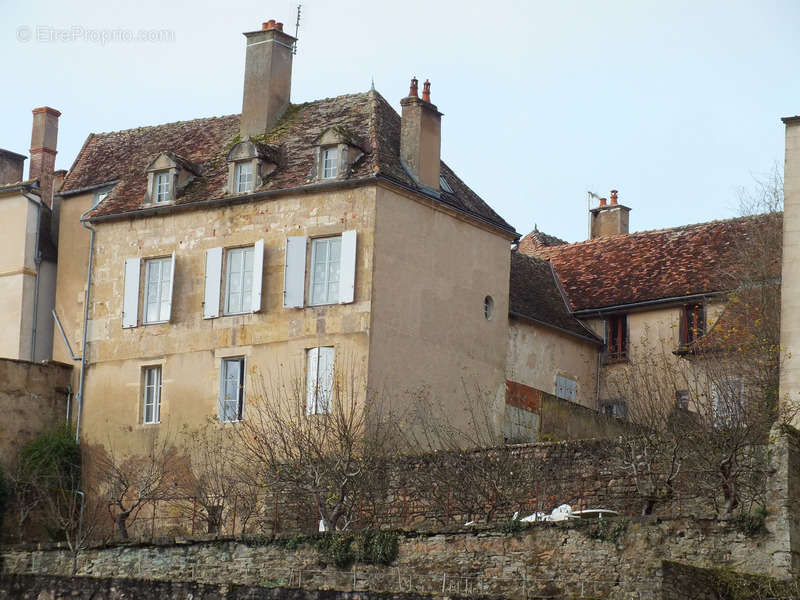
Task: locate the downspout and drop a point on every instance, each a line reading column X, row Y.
column 85, row 325
column 37, row 259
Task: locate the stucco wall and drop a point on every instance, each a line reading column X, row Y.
column 790, row 281
column 537, row 354
column 428, row 332
column 189, row 348
column 33, row 397
column 17, row 275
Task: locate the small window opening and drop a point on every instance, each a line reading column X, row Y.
column 488, row 307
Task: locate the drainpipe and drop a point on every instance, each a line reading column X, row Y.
column 85, row 325
column 37, row 259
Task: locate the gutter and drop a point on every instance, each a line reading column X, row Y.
column 586, row 338
column 598, row 312
column 242, row 199
column 87, row 188
column 37, row 260
column 85, row 325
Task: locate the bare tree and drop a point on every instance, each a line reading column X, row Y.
column 129, row 482
column 326, row 448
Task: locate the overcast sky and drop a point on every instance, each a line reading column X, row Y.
column 675, row 103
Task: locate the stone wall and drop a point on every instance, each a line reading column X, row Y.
column 33, row 397
column 570, row 560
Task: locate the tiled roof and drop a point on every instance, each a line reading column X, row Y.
column 534, row 294
column 537, row 239
column 654, row 265
column 370, row 121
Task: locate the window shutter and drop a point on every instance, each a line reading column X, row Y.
column 212, row 286
column 347, row 273
column 171, row 286
column 294, row 272
column 130, row 295
column 258, row 272
column 221, row 397
column 311, row 379
column 325, row 379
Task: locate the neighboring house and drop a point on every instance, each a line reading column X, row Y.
column 643, row 292
column 28, row 258
column 293, row 240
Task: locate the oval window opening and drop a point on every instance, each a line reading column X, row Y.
column 488, row 307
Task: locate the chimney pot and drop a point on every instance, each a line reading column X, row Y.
column 426, row 91
column 613, row 196
column 268, row 25
column 602, row 201
column 279, row 26
column 414, row 89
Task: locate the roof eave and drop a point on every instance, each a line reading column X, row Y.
column 588, row 312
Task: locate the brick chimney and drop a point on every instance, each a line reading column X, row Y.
column 44, row 137
column 267, row 78
column 609, row 218
column 11, row 166
column 421, row 136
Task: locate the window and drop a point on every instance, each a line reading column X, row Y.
column 158, row 285
column 231, row 392
column 617, row 409
column 332, row 270
column 330, row 162
column 244, row 269
column 617, row 338
column 244, row 177
column 566, row 388
column 158, row 290
column 238, row 280
column 444, row 185
column 693, row 323
column 682, row 398
column 319, row 380
column 161, row 187
column 151, row 409
column 326, row 256
column 488, row 307
column 100, row 195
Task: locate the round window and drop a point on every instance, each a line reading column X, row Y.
column 488, row 307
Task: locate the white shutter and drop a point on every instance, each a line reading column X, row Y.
column 130, row 295
column 212, row 287
column 325, row 379
column 312, row 363
column 258, row 272
column 347, row 271
column 294, row 272
column 171, row 287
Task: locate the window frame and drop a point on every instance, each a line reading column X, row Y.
column 333, row 172
column 223, row 399
column 317, row 243
column 616, row 338
column 237, row 177
column 245, row 291
column 157, row 192
column 162, row 284
column 692, row 323
column 157, row 388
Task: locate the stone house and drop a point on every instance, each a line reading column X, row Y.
column 292, row 241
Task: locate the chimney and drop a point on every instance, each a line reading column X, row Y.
column 44, row 137
column 790, row 275
column 609, row 219
column 11, row 166
column 267, row 78
column 421, row 136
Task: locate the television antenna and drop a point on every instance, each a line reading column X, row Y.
column 296, row 29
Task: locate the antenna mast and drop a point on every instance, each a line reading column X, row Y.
column 296, row 29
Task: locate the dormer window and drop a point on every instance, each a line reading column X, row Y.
column 334, row 155
column 249, row 164
column 167, row 175
column 330, row 163
column 161, row 185
column 244, row 177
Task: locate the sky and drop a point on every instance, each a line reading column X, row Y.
column 675, row 104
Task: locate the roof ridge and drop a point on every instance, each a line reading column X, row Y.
column 647, row 232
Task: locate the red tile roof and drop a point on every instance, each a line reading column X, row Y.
column 369, row 121
column 653, row 265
